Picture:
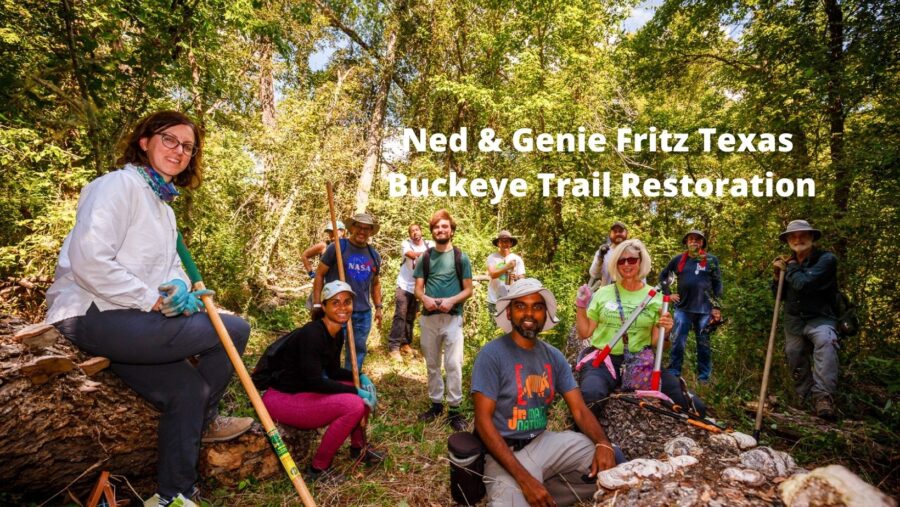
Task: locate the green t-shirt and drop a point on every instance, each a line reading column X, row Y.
column 442, row 281
column 604, row 310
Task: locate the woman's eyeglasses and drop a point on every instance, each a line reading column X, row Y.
column 171, row 142
column 628, row 260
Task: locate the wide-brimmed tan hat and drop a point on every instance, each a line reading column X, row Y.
column 521, row 288
column 799, row 226
column 364, row 218
column 505, row 235
column 698, row 233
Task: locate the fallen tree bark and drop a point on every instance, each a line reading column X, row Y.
column 56, row 423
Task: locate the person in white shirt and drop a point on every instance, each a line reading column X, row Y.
column 504, row 268
column 406, row 306
column 121, row 293
column 600, row 277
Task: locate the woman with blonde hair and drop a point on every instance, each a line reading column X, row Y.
column 598, row 317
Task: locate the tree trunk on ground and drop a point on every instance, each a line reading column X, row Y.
column 61, row 433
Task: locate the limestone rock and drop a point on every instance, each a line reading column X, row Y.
column 832, row 485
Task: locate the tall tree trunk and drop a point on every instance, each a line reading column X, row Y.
column 288, row 206
column 267, row 84
column 836, row 113
column 375, row 130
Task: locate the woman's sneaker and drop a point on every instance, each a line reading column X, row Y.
column 328, row 477
column 224, row 428
column 369, row 457
column 178, row 501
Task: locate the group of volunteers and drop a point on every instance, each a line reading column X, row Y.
column 120, row 292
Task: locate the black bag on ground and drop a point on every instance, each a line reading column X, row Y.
column 466, row 468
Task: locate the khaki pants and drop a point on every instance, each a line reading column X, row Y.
column 558, row 459
column 442, row 336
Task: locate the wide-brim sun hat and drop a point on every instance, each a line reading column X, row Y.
column 698, row 233
column 364, row 218
column 334, row 288
column 505, row 235
column 525, row 287
column 799, row 226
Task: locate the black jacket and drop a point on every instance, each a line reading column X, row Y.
column 310, row 362
column 810, row 288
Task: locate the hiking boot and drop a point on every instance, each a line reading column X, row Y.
column 406, row 350
column 457, row 421
column 178, row 501
column 328, row 477
column 825, row 408
column 224, row 428
column 395, row 356
column 432, row 413
column 369, row 457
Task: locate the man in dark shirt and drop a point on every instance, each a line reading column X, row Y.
column 696, row 303
column 362, row 266
column 810, row 333
column 515, row 379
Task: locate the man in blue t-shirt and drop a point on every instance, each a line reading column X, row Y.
column 361, row 269
column 696, row 303
column 514, row 381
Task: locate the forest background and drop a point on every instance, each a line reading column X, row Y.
column 295, row 94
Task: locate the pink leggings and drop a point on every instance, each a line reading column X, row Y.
column 340, row 412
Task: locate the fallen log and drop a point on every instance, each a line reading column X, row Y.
column 56, row 423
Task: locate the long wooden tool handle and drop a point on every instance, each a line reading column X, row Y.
column 271, row 431
column 340, row 262
column 768, row 366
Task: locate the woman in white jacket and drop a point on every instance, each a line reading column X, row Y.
column 120, row 292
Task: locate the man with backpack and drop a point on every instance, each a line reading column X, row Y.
column 810, row 334
column 406, row 306
column 443, row 283
column 696, row 303
column 362, row 267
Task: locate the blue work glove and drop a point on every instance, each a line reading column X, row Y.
column 192, row 303
column 175, row 294
column 312, row 274
column 364, row 380
column 367, row 397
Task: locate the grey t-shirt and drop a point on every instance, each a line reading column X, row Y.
column 522, row 382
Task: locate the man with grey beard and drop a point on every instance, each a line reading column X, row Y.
column 810, row 319
column 514, row 381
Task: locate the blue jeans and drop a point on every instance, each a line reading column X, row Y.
column 683, row 323
column 362, row 323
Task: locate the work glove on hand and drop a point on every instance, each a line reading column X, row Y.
column 583, row 298
column 175, row 294
column 367, row 397
column 364, row 380
column 192, row 303
column 312, row 274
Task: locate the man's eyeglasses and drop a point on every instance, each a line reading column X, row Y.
column 628, row 260
column 171, row 142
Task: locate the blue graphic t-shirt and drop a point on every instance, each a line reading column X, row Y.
column 359, row 269
column 522, row 382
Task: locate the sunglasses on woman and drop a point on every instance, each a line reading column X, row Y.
column 628, row 260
